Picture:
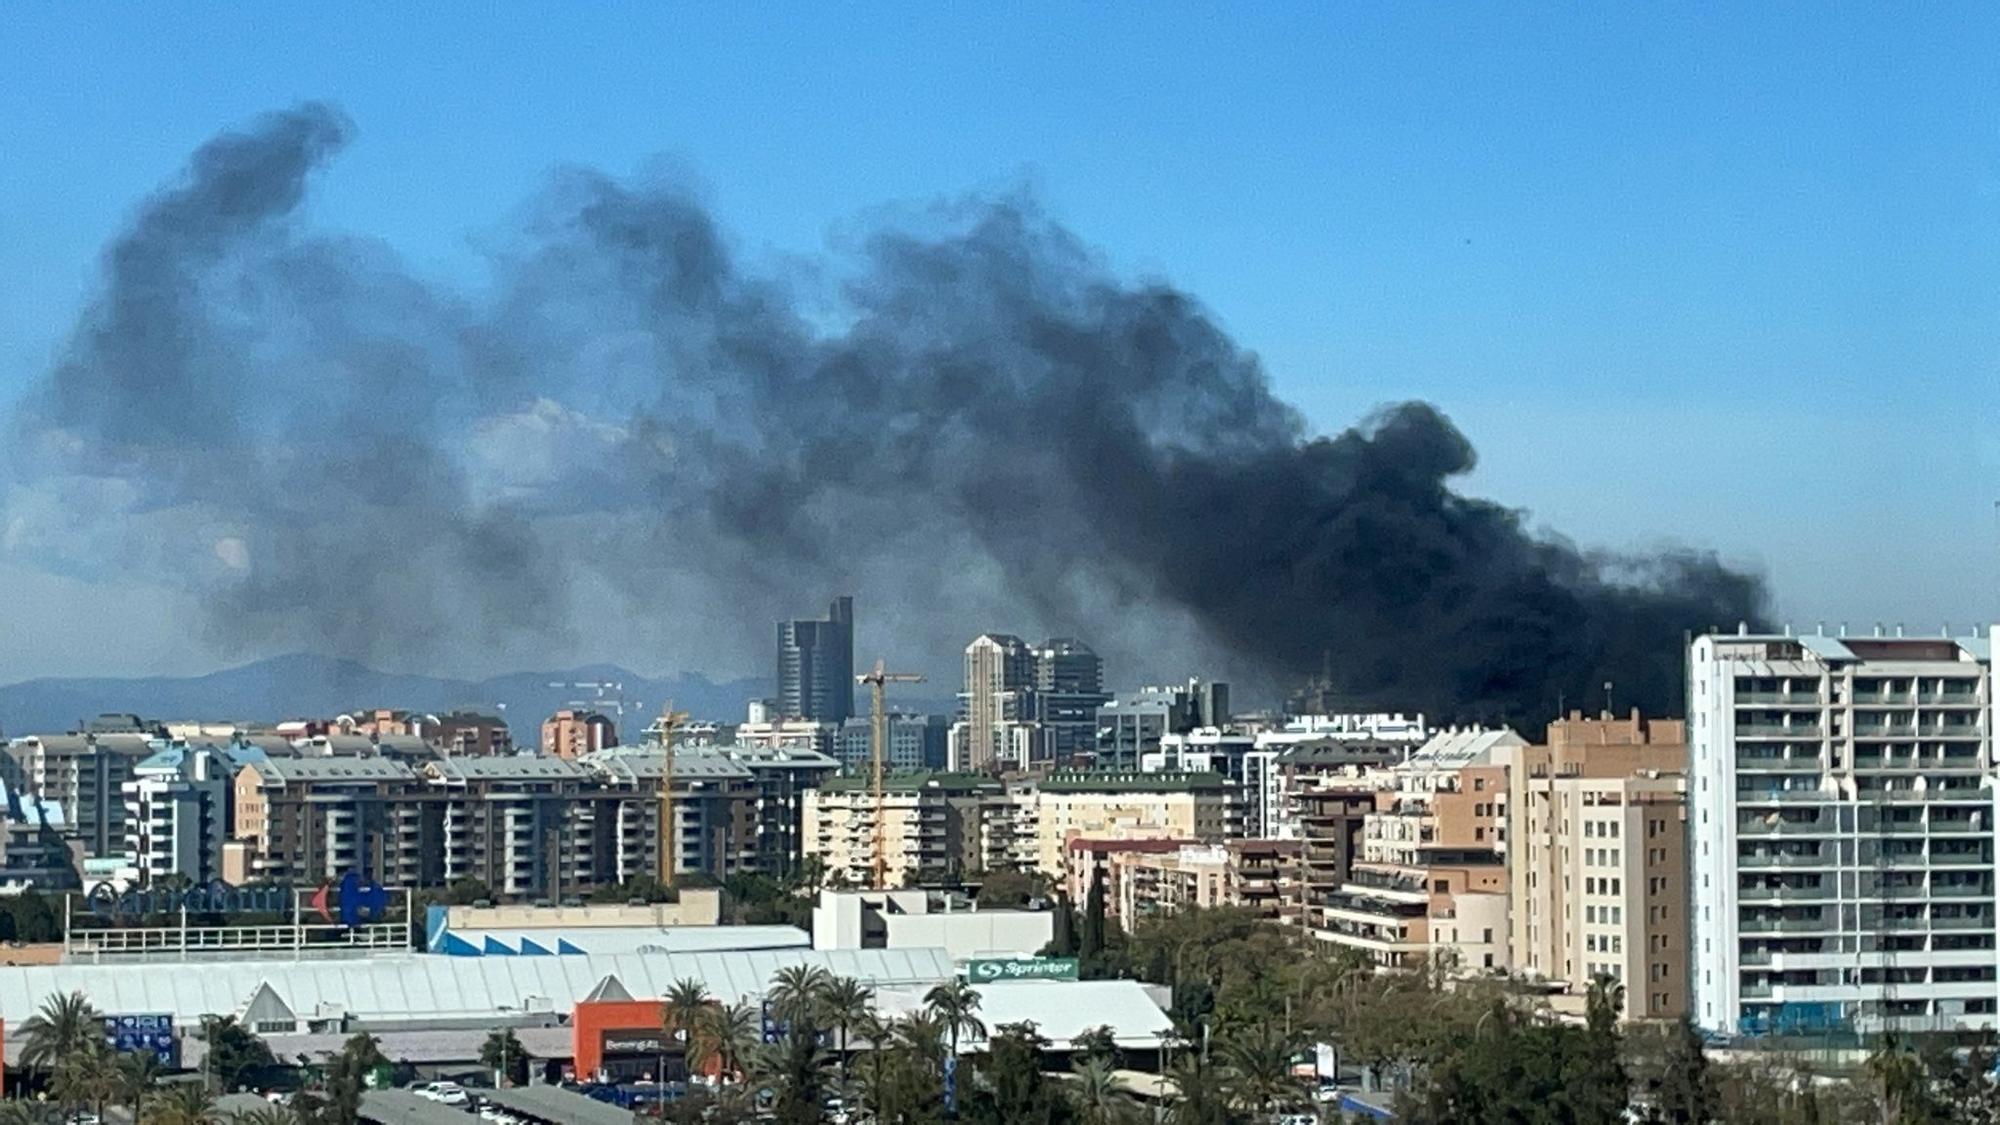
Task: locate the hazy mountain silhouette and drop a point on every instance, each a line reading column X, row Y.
column 307, row 685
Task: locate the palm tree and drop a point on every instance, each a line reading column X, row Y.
column 729, row 1034
column 65, row 1025
column 796, row 991
column 1257, row 1063
column 91, row 1077
column 1098, row 1098
column 184, row 1103
column 956, row 1005
column 265, row 1115
column 136, row 1074
column 20, row 1111
column 871, row 1027
column 844, row 1004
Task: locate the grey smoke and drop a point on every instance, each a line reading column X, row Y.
column 630, row 440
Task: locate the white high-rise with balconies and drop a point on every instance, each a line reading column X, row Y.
column 1842, row 804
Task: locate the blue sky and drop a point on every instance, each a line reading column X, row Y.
column 1722, row 278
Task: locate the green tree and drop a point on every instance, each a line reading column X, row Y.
column 686, row 1000
column 466, row 891
column 1091, row 943
column 1198, row 1096
column 35, row 920
column 956, row 1006
column 502, row 1054
column 66, row 1024
column 1685, row 1092
column 729, row 1034
column 265, row 1115
column 19, row 1111
column 795, row 1070
column 137, row 1073
column 1062, row 938
column 1257, row 1069
column 1008, row 889
column 1598, row 1087
column 1010, row 1088
column 1098, row 1099
column 234, row 1051
column 796, row 992
column 92, row 1076
column 183, row 1103
column 844, row 1003
column 1096, row 1044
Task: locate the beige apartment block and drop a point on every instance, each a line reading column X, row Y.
column 1127, row 806
column 929, row 824
column 1431, row 880
column 1254, row 875
column 1596, row 846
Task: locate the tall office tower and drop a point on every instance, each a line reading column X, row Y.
column 1069, row 687
column 1841, row 811
column 816, row 665
column 996, row 727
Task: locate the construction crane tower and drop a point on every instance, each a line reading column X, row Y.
column 668, row 722
column 878, row 680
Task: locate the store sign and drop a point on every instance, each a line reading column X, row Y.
column 634, row 1043
column 988, row 970
column 142, row 1035
column 214, row 898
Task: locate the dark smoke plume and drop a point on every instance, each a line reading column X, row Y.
column 629, row 441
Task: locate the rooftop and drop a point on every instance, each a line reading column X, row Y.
column 1124, row 782
column 288, row 770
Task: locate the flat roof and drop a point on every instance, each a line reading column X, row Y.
column 558, row 1106
column 401, row 1107
column 1060, row 1010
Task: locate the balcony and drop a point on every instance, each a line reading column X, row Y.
column 1781, row 859
column 1778, row 699
column 1798, row 731
column 1787, row 926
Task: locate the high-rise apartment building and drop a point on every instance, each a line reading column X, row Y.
column 917, row 743
column 1069, row 687
column 84, row 775
column 177, row 808
column 1842, row 811
column 1597, row 859
column 816, row 666
column 571, row 733
column 996, row 728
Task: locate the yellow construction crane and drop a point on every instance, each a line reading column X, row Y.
column 878, row 681
column 665, row 726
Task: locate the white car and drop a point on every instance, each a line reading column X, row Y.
column 450, row 1093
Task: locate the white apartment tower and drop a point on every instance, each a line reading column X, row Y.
column 1842, row 804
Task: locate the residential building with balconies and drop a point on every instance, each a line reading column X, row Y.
column 1842, row 806
column 1431, row 879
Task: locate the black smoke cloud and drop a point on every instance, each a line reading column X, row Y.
column 629, row 440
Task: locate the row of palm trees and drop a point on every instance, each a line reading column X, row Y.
column 64, row 1042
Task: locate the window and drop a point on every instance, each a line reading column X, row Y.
column 1478, row 784
column 1488, row 938
column 1440, row 886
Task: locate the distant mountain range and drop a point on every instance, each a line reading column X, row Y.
column 303, row 685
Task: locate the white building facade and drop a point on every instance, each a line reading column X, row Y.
column 1842, row 803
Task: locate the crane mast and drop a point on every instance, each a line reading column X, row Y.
column 668, row 722
column 878, row 680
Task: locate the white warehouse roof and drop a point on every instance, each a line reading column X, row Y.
column 1060, row 1010
column 421, row 988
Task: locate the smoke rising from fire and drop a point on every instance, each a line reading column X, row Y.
column 628, row 440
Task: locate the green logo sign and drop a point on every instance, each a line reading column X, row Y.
column 1025, row 968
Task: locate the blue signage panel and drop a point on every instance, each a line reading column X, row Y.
column 134, row 1035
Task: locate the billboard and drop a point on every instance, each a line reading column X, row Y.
column 136, row 1035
